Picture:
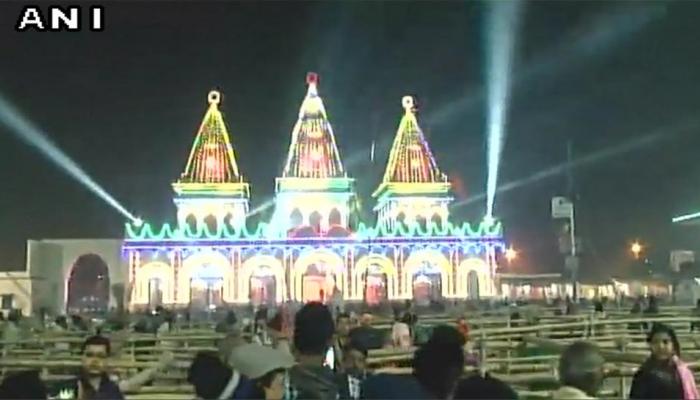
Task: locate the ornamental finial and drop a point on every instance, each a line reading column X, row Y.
column 214, row 97
column 408, row 103
column 312, row 78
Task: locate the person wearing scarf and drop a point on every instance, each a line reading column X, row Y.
column 663, row 375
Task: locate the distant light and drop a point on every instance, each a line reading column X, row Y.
column 636, row 248
column 212, row 306
column 511, row 254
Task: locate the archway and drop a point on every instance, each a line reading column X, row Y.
column 154, row 284
column 334, row 218
column 436, row 221
column 401, row 221
column 315, row 221
column 477, row 284
column 317, row 274
column 376, row 285
column 207, row 287
column 427, row 284
column 372, row 271
column 204, row 280
column 421, row 224
column 473, row 285
column 262, row 279
column 263, row 286
column 88, row 285
column 296, row 219
column 191, row 224
column 211, row 224
column 432, row 261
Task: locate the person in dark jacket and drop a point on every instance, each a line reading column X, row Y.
column 354, row 367
column 92, row 383
column 313, row 337
column 437, row 367
column 366, row 336
column 663, row 375
column 23, row 385
column 213, row 379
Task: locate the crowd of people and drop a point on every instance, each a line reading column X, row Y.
column 314, row 354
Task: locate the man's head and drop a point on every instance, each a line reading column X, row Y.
column 439, row 363
column 96, row 350
column 581, row 366
column 313, row 329
column 366, row 319
column 342, row 325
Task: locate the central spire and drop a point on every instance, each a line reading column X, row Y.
column 313, row 152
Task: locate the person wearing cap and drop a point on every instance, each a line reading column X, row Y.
column 580, row 372
column 266, row 367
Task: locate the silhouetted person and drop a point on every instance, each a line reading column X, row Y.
column 23, row 385
column 581, row 372
column 313, row 336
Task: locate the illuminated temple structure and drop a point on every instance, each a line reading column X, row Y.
column 311, row 248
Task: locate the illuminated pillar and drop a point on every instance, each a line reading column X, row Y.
column 235, row 271
column 134, row 261
column 177, row 264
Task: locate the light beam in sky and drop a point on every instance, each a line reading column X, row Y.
column 501, row 29
column 25, row 130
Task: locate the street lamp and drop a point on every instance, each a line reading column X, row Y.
column 636, row 248
column 511, row 254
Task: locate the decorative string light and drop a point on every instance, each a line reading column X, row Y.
column 312, row 151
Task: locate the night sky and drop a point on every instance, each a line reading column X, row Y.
column 125, row 105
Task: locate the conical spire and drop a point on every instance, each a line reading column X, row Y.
column 211, row 159
column 411, row 160
column 313, row 152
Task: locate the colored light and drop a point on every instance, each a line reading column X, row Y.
column 636, row 248
column 313, row 139
column 211, row 158
column 410, row 153
column 511, row 254
column 265, row 231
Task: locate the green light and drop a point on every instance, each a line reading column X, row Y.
column 166, row 232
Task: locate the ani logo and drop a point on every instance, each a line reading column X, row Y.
column 59, row 18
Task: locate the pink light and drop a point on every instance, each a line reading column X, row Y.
column 312, row 78
column 211, row 162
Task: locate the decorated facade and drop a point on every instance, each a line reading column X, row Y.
column 313, row 247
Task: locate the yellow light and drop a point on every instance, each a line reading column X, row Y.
column 511, row 254
column 636, row 248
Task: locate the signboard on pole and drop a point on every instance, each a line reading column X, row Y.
column 562, row 208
